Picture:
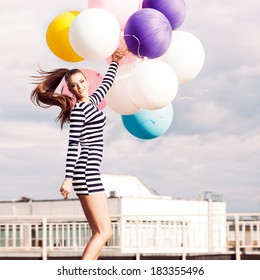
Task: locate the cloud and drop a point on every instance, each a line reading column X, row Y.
column 185, row 166
column 32, row 156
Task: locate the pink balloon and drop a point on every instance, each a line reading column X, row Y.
column 95, row 80
column 130, row 58
column 122, row 9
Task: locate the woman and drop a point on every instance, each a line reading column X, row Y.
column 86, row 130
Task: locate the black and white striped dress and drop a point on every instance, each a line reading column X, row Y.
column 86, row 130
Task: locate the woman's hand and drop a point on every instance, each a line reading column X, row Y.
column 65, row 188
column 119, row 54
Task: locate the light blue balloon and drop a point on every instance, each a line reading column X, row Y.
column 149, row 124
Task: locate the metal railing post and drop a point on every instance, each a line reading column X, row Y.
column 137, row 254
column 44, row 238
column 237, row 237
column 184, row 244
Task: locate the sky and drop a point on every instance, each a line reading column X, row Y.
column 212, row 145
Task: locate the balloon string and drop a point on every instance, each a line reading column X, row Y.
column 186, row 97
column 152, row 121
column 138, row 41
column 140, row 4
column 192, row 98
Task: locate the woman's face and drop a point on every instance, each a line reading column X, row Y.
column 78, row 85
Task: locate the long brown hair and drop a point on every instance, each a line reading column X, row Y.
column 44, row 94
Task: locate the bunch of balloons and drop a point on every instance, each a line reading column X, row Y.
column 160, row 56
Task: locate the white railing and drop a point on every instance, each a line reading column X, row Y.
column 173, row 235
column 243, row 232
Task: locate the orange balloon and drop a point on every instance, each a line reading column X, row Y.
column 57, row 37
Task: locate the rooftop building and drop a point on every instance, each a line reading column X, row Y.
column 144, row 223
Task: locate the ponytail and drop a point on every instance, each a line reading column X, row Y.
column 44, row 94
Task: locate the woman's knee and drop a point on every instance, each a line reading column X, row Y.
column 104, row 232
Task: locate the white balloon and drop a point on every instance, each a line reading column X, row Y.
column 152, row 84
column 186, row 55
column 117, row 98
column 94, row 34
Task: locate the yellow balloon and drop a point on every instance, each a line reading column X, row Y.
column 57, row 37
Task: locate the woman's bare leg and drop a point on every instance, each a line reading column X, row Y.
column 97, row 213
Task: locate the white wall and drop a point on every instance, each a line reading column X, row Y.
column 203, row 232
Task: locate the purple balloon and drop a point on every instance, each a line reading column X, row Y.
column 148, row 33
column 174, row 10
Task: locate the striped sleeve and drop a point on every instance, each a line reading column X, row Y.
column 77, row 120
column 108, row 80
